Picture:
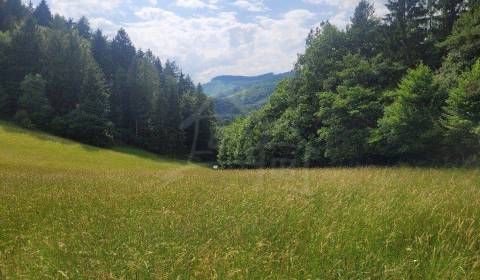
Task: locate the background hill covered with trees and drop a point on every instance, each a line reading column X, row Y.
column 405, row 88
column 234, row 96
column 60, row 76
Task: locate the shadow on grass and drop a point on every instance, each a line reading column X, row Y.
column 126, row 150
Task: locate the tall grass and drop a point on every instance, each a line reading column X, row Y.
column 72, row 211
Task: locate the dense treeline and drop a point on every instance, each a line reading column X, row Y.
column 60, row 76
column 405, row 88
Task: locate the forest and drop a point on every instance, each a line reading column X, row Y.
column 404, row 88
column 60, row 76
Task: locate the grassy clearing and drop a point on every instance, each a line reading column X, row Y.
column 71, row 211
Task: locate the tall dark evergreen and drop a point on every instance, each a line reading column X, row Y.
column 407, row 27
column 363, row 32
column 23, row 57
column 102, row 53
column 446, row 14
column 42, row 14
column 123, row 50
column 83, row 28
column 11, row 11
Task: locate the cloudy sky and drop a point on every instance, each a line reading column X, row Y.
column 215, row 37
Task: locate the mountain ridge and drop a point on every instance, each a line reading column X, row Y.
column 234, row 96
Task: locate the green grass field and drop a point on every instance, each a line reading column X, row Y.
column 69, row 211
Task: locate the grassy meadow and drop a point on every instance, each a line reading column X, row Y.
column 69, row 211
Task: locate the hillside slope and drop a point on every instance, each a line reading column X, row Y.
column 237, row 95
column 20, row 148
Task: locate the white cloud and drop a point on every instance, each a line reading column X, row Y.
column 205, row 39
column 210, row 46
column 196, row 4
column 341, row 18
column 344, row 5
column 108, row 28
column 251, row 5
column 76, row 8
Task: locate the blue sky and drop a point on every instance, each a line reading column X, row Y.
column 215, row 37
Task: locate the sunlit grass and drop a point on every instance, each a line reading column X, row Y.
column 72, row 211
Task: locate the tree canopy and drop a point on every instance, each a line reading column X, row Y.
column 59, row 76
column 382, row 91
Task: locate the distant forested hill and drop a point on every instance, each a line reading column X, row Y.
column 237, row 95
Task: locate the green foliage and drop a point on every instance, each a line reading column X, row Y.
column 407, row 31
column 234, row 96
column 33, row 106
column 462, row 118
column 92, row 89
column 10, row 12
column 410, row 126
column 465, row 38
column 23, row 56
column 42, row 14
column 348, row 103
column 364, row 30
column 348, row 117
column 83, row 28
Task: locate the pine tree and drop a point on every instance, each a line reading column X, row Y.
column 464, row 42
column 407, row 30
column 33, row 107
column 88, row 122
column 410, row 127
column 447, row 13
column 159, row 137
column 462, row 116
column 10, row 12
column 23, row 57
column 64, row 69
column 363, row 32
column 123, row 50
column 206, row 121
column 143, row 86
column 83, row 28
column 102, row 53
column 42, row 14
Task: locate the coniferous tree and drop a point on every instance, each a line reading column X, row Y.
column 83, row 28
column 123, row 50
column 11, row 11
column 102, row 53
column 410, row 127
column 206, row 119
column 464, row 41
column 407, row 30
column 122, row 55
column 446, row 14
column 23, row 57
column 64, row 69
column 175, row 142
column 88, row 122
column 462, row 116
column 363, row 32
column 42, row 14
column 3, row 15
column 143, row 85
column 33, row 107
